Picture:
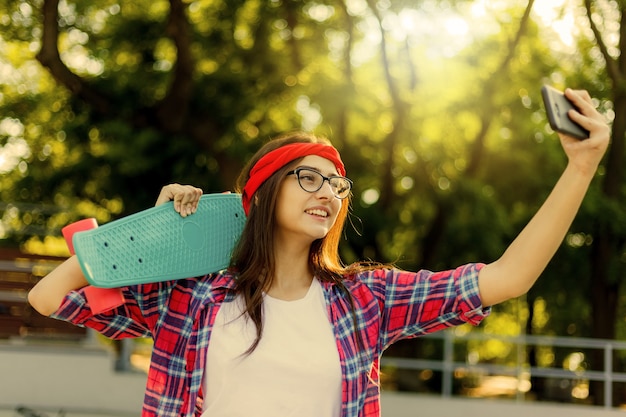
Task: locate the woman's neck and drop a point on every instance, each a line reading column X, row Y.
column 292, row 274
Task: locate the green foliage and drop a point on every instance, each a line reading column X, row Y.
column 445, row 134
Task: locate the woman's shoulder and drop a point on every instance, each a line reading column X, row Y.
column 199, row 284
column 367, row 274
column 218, row 280
column 360, row 279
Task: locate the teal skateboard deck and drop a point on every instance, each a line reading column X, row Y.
column 158, row 244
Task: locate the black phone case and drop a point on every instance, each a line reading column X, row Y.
column 557, row 106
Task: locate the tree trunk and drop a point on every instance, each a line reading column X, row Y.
column 607, row 268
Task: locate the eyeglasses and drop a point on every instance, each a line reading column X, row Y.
column 311, row 181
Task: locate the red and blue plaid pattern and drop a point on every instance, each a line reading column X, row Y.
column 390, row 305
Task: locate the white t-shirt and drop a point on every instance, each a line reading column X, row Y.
column 294, row 371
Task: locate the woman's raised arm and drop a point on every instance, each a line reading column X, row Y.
column 514, row 273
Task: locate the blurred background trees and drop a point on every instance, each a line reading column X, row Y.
column 435, row 106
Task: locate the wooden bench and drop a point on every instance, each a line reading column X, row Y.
column 18, row 274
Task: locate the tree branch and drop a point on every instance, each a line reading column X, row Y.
column 292, row 23
column 433, row 237
column 399, row 107
column 342, row 119
column 50, row 58
column 611, row 64
column 172, row 110
column 486, row 118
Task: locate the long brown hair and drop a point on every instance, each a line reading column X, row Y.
column 253, row 257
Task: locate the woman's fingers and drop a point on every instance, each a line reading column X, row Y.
column 584, row 103
column 185, row 198
column 586, row 154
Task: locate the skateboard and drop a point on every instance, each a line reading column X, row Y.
column 158, row 244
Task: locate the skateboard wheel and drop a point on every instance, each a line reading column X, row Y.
column 79, row 226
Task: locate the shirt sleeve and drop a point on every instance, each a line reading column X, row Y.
column 136, row 317
column 417, row 303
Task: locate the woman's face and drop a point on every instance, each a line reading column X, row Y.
column 306, row 216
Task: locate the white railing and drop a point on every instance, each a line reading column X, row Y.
column 521, row 370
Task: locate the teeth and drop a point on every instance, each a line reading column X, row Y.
column 321, row 213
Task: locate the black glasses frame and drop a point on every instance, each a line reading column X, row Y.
column 297, row 172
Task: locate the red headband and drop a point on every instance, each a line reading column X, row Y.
column 278, row 158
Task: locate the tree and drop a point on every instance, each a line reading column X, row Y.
column 604, row 54
column 106, row 102
column 146, row 93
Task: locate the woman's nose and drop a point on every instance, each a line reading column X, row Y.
column 326, row 190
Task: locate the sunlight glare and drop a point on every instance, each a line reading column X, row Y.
column 456, row 26
column 12, row 154
column 370, row 196
column 356, row 7
column 477, row 9
column 15, row 148
column 310, row 113
column 555, row 15
column 408, row 20
column 320, row 12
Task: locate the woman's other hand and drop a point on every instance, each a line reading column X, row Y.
column 185, row 198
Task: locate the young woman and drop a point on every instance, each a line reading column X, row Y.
column 288, row 330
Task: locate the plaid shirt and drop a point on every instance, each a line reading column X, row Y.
column 390, row 305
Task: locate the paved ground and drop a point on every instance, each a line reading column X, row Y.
column 66, row 377
column 412, row 405
column 81, row 381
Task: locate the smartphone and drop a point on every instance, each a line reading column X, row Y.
column 557, row 106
